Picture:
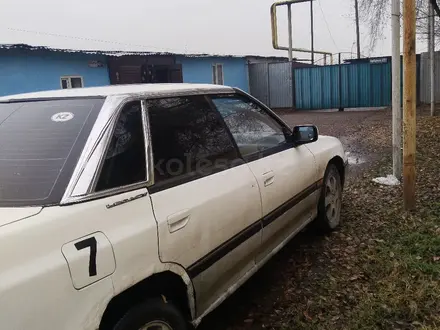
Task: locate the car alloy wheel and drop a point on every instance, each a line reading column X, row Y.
column 332, row 199
column 156, row 325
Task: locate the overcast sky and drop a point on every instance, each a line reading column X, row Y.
column 191, row 26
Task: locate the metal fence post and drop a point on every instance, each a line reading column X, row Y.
column 268, row 85
column 292, row 80
column 341, row 108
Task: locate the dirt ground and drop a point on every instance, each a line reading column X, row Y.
column 380, row 270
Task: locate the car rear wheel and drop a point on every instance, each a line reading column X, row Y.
column 330, row 201
column 154, row 314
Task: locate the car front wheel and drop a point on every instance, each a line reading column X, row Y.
column 330, row 201
column 154, row 314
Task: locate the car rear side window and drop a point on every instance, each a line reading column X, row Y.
column 125, row 163
column 189, row 139
column 40, row 143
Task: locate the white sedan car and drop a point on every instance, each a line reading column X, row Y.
column 143, row 207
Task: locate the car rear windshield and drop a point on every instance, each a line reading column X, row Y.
column 40, row 143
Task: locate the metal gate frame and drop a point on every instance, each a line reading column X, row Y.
column 272, row 84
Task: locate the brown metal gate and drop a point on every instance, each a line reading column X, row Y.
column 137, row 69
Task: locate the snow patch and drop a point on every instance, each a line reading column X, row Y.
column 390, row 180
column 354, row 159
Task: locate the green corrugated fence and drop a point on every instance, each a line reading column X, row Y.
column 344, row 86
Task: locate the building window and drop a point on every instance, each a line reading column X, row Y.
column 217, row 74
column 71, row 82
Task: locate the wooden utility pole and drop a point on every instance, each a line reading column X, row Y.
column 358, row 36
column 409, row 104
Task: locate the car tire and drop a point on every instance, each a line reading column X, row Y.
column 153, row 314
column 330, row 200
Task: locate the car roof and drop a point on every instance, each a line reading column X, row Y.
column 147, row 89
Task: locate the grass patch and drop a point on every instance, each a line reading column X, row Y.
column 404, row 275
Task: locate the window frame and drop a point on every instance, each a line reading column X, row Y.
column 284, row 127
column 108, row 143
column 83, row 182
column 215, row 77
column 110, row 131
column 69, row 81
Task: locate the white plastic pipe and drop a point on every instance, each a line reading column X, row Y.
column 397, row 112
column 432, row 56
column 289, row 20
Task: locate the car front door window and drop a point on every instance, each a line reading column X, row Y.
column 253, row 129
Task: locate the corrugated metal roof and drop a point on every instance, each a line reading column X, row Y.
column 118, row 53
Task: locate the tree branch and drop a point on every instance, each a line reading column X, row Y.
column 435, row 6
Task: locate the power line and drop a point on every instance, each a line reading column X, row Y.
column 328, row 27
column 95, row 40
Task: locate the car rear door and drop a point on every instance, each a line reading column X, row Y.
column 205, row 198
column 286, row 174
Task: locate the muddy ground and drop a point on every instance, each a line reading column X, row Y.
column 371, row 273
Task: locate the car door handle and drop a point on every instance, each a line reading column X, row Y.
column 268, row 178
column 178, row 220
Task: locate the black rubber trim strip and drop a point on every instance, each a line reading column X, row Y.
column 279, row 211
column 211, row 258
column 215, row 255
column 268, row 152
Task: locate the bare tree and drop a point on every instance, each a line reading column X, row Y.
column 376, row 14
column 422, row 24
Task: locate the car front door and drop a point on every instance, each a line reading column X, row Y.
column 286, row 174
column 205, row 198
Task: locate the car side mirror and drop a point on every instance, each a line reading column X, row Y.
column 304, row 134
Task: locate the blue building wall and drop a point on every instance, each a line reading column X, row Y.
column 24, row 71
column 199, row 70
